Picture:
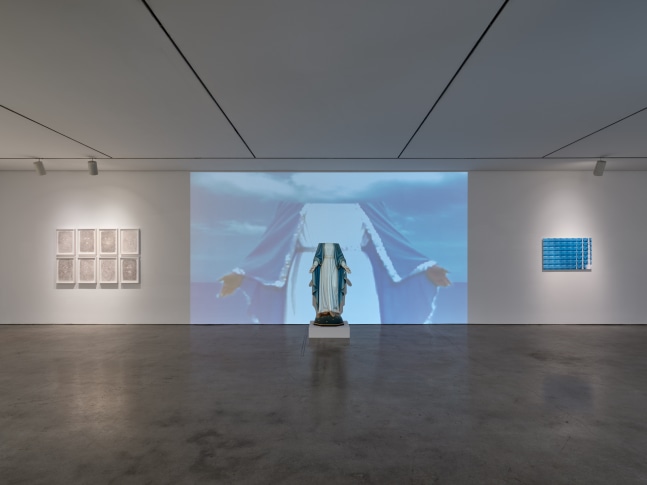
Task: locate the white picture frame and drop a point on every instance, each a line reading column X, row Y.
column 65, row 270
column 129, row 270
column 87, row 270
column 108, row 242
column 129, row 242
column 108, row 270
column 86, row 242
column 65, row 242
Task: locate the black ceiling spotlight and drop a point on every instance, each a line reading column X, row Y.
column 92, row 167
column 40, row 168
column 599, row 167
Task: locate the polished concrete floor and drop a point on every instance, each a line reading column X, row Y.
column 261, row 404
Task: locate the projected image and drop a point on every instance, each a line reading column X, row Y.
column 254, row 235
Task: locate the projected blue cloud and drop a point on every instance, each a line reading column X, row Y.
column 264, row 228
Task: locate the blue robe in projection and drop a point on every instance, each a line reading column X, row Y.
column 405, row 293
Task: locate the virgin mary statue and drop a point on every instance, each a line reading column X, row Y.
column 329, row 284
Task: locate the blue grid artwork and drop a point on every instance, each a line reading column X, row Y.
column 566, row 253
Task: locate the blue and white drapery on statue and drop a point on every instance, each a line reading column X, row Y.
column 329, row 280
column 398, row 288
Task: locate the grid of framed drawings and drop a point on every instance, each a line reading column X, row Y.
column 90, row 256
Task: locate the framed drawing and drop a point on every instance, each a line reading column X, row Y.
column 129, row 242
column 108, row 270
column 567, row 253
column 108, row 242
column 65, row 242
column 65, row 270
column 129, row 270
column 87, row 242
column 87, row 270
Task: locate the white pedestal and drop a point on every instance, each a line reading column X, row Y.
column 341, row 331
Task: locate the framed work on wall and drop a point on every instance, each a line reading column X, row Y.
column 567, row 253
column 129, row 273
column 65, row 242
column 129, row 242
column 65, row 270
column 105, row 255
column 87, row 242
column 87, row 270
column 108, row 270
column 108, row 242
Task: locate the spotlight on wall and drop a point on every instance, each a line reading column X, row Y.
column 92, row 167
column 599, row 167
column 40, row 168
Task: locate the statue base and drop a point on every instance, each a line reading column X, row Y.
column 330, row 331
column 329, row 320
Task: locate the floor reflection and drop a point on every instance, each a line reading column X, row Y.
column 328, row 378
column 570, row 392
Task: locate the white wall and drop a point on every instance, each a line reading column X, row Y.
column 510, row 212
column 33, row 207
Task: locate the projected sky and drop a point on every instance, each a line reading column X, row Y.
column 264, row 227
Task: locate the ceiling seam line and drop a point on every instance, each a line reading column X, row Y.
column 177, row 48
column 53, row 130
column 593, row 133
column 496, row 16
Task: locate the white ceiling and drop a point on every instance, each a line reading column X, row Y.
column 311, row 85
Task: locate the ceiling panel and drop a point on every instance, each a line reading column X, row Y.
column 104, row 73
column 326, row 79
column 627, row 138
column 546, row 74
column 21, row 138
column 331, row 85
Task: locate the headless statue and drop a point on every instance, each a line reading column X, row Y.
column 329, row 283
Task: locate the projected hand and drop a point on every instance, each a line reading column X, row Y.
column 230, row 283
column 438, row 276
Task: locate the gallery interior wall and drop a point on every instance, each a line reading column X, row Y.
column 509, row 214
column 32, row 207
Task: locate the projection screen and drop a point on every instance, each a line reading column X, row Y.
column 253, row 237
